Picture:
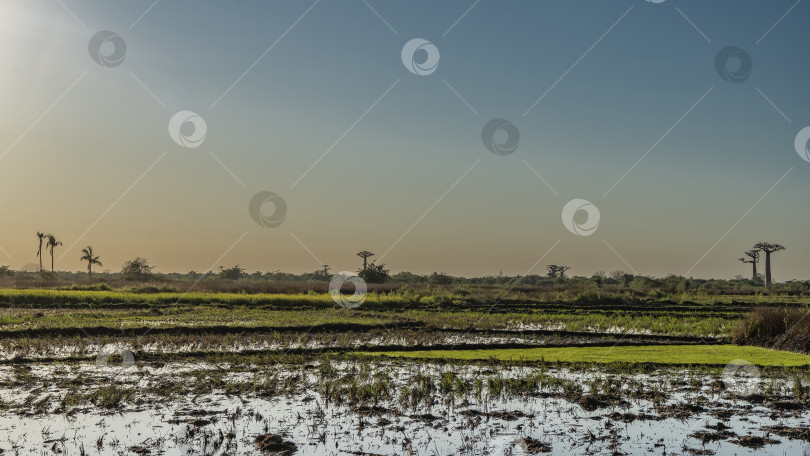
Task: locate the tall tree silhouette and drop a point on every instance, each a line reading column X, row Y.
column 52, row 242
column 557, row 271
column 364, row 254
column 41, row 237
column 753, row 258
column 89, row 256
column 768, row 248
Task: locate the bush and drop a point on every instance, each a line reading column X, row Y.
column 137, row 269
column 47, row 275
column 148, row 289
column 94, row 287
column 233, row 273
column 782, row 328
column 440, row 278
column 595, row 297
column 408, row 277
column 374, row 273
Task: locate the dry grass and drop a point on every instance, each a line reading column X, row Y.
column 782, row 328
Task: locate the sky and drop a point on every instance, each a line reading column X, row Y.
column 317, row 136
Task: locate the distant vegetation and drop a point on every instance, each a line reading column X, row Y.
column 604, row 285
column 619, row 284
column 137, row 270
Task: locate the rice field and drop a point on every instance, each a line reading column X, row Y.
column 294, row 373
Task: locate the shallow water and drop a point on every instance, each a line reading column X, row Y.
column 218, row 424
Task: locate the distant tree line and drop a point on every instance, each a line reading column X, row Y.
column 139, row 269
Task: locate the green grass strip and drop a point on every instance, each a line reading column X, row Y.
column 660, row 354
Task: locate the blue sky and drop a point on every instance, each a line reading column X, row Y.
column 87, row 154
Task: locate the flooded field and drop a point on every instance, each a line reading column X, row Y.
column 391, row 407
column 162, row 373
column 284, row 228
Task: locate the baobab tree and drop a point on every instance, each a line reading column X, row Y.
column 52, row 242
column 41, row 237
column 557, row 271
column 364, row 254
column 91, row 259
column 753, row 258
column 768, row 248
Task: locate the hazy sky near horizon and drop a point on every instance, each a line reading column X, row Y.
column 312, row 101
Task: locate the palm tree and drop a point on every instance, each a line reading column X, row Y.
column 91, row 259
column 41, row 236
column 768, row 248
column 52, row 242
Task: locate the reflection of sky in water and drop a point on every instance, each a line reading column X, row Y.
column 320, row 429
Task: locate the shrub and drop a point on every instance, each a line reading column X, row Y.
column 440, row 278
column 374, row 273
column 594, row 297
column 782, row 328
column 94, row 287
column 408, row 277
column 233, row 273
column 137, row 269
column 47, row 275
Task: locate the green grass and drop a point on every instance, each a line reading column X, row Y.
column 682, row 325
column 33, row 297
column 658, row 354
column 190, row 316
column 51, row 308
column 205, row 315
column 22, row 309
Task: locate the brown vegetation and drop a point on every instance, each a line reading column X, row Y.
column 779, row 328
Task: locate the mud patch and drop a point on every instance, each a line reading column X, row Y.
column 534, row 446
column 503, row 415
column 712, row 436
column 273, row 444
column 630, row 417
column 589, row 403
column 682, row 411
column 754, row 441
column 790, row 432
